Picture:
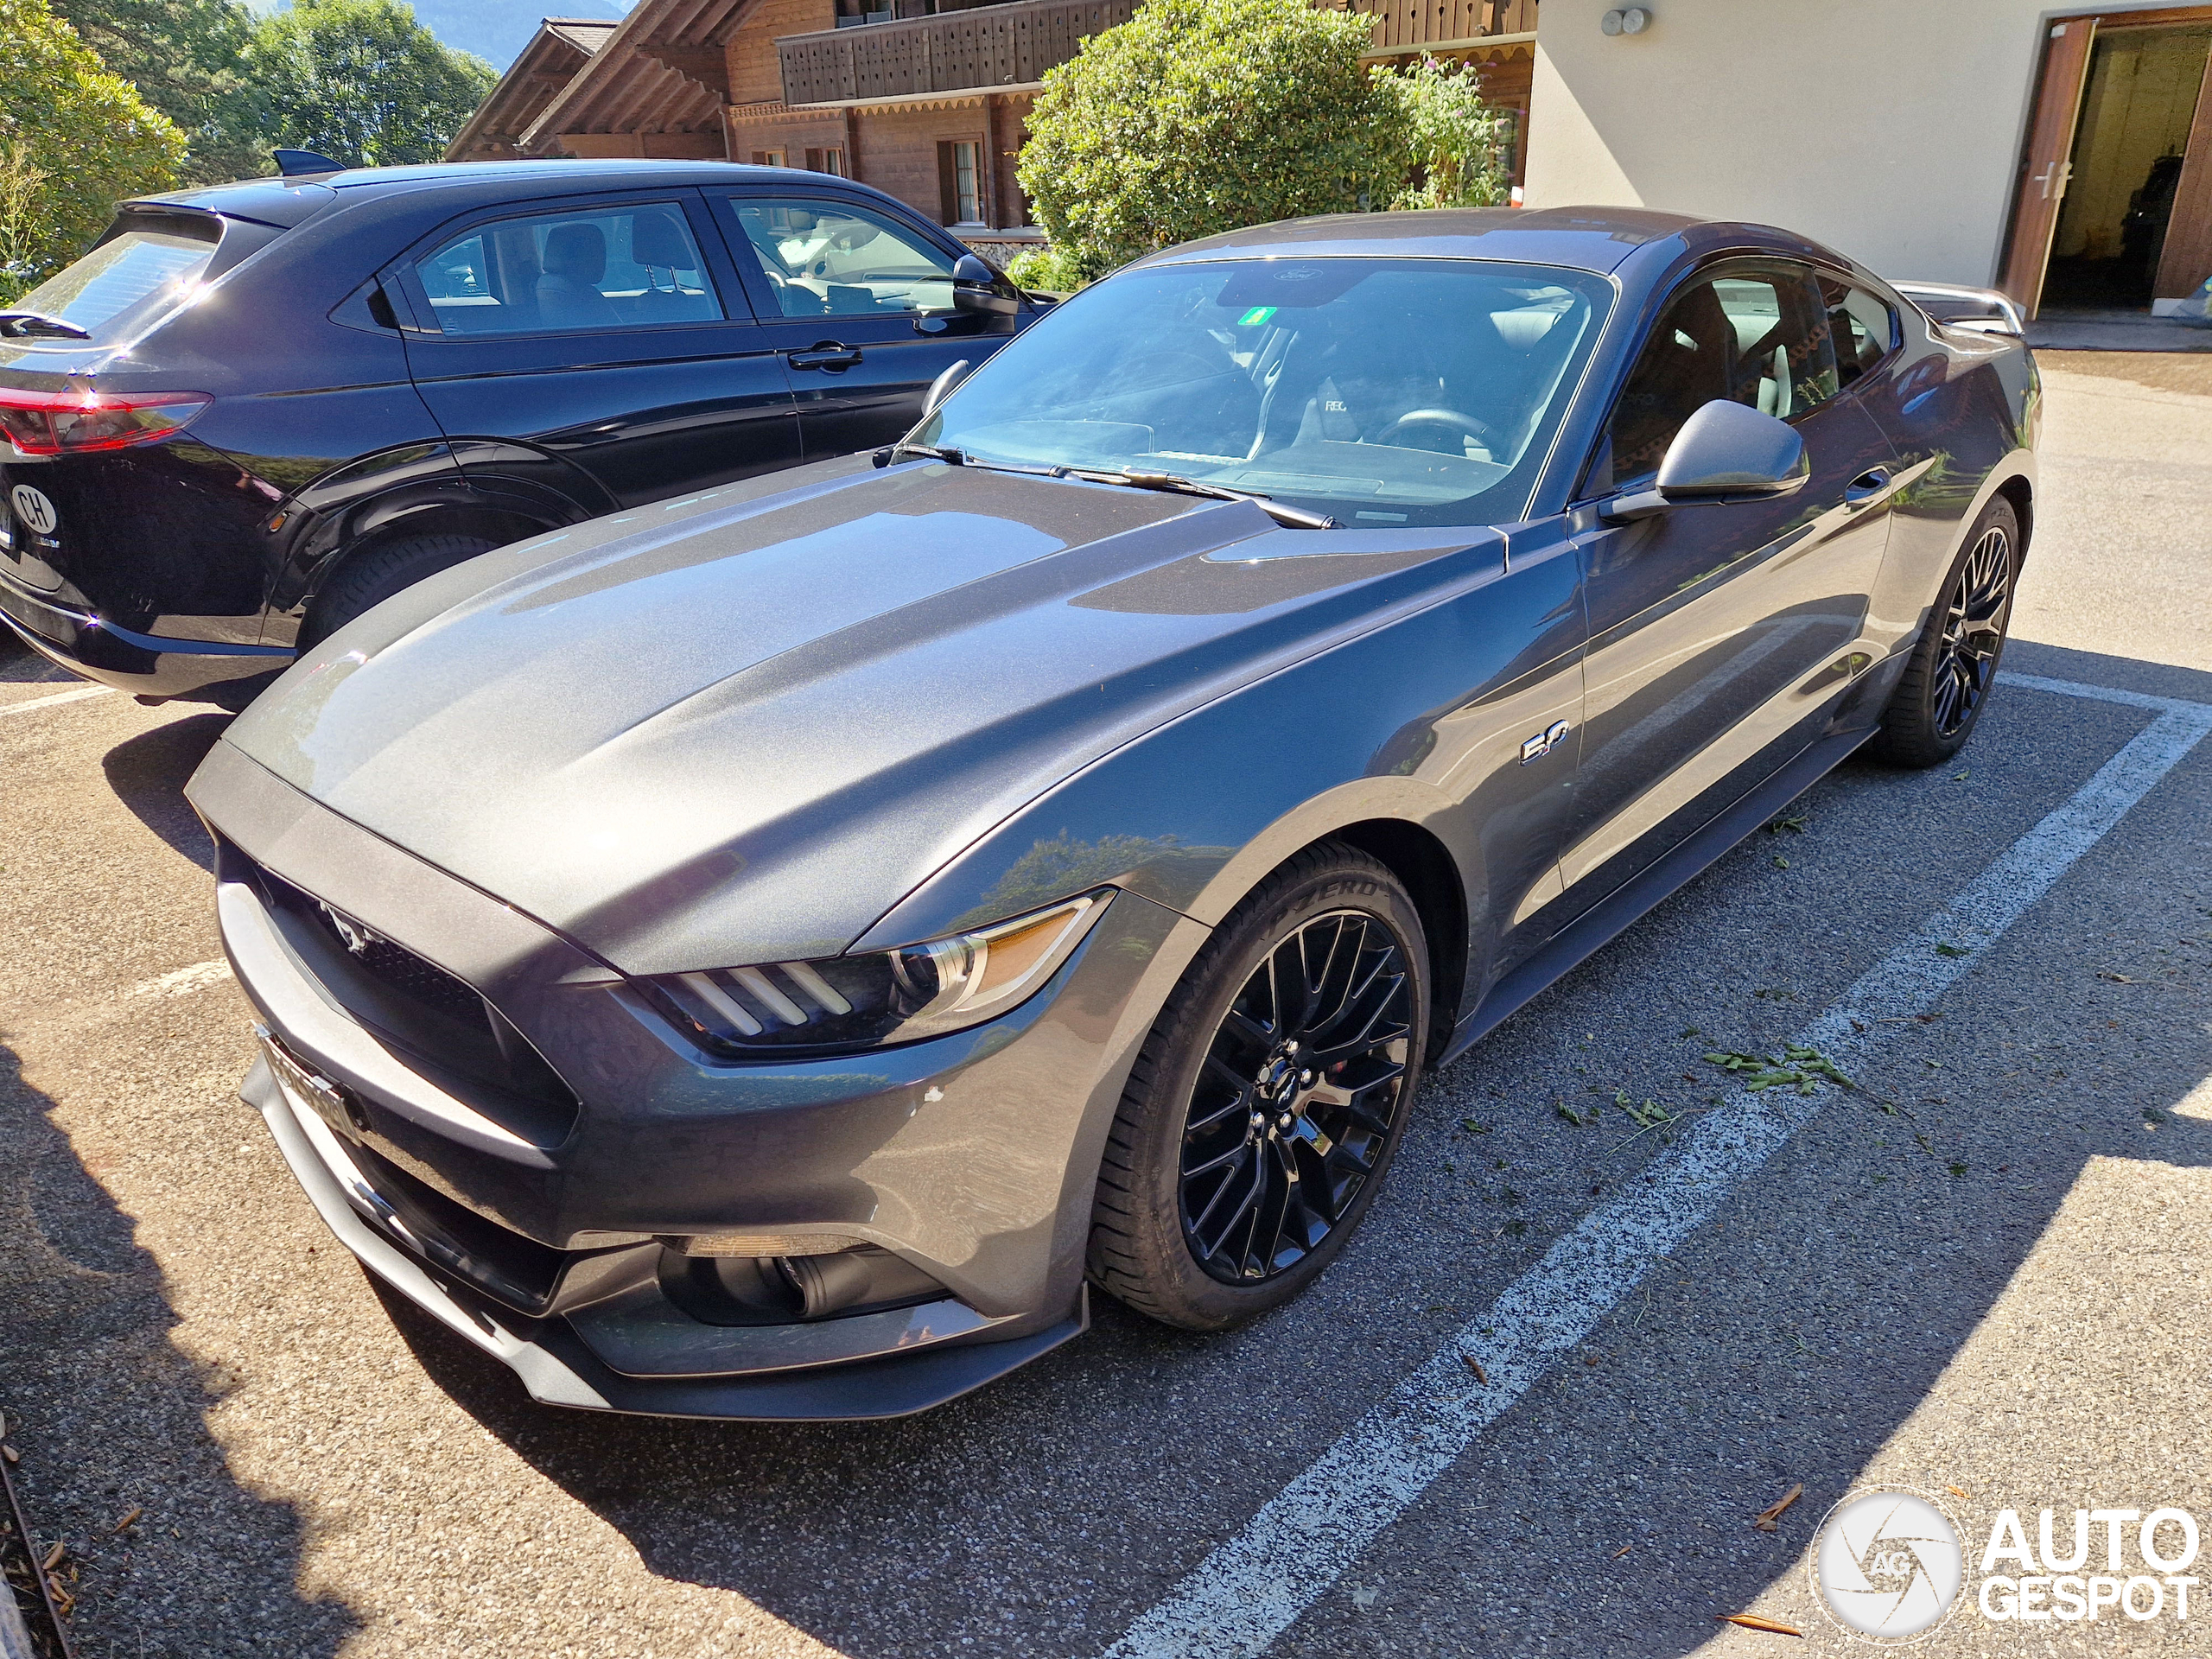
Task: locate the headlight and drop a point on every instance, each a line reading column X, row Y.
column 891, row 996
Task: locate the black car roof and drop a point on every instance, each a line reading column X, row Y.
column 1583, row 239
column 287, row 201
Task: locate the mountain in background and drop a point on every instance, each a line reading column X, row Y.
column 495, row 30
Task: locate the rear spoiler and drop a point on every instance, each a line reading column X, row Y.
column 1972, row 310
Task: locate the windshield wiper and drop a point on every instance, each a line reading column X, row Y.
column 952, row 457
column 37, row 325
column 1174, row 484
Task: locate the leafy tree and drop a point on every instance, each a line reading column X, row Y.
column 185, row 58
column 74, row 138
column 1457, row 143
column 362, row 82
column 1200, row 116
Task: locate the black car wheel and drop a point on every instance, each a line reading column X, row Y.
column 1263, row 1110
column 368, row 579
column 1948, row 681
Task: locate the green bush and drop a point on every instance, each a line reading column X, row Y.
column 74, row 139
column 1201, row 116
column 1046, row 270
column 1457, row 141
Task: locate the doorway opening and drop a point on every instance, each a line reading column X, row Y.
column 2131, row 142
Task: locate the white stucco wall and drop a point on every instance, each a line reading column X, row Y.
column 1888, row 129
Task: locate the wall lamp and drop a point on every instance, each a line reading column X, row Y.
column 1627, row 20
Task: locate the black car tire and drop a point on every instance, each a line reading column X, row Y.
column 1953, row 664
column 368, row 579
column 1142, row 1250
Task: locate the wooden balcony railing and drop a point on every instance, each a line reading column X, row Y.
column 1404, row 25
column 1013, row 45
column 959, row 51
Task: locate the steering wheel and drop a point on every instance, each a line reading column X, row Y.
column 1449, row 420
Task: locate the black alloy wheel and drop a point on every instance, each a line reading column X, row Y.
column 1261, row 1116
column 1297, row 1098
column 1953, row 666
column 1976, row 610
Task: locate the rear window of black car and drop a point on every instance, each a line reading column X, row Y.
column 146, row 266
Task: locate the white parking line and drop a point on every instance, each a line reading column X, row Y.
column 1250, row 1589
column 180, row 980
column 76, row 696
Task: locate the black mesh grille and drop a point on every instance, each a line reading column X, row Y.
column 446, row 1030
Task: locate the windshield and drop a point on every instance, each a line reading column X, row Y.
column 123, row 279
column 1380, row 392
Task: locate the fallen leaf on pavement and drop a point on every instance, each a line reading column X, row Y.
column 1476, row 1366
column 2117, row 979
column 137, row 1510
column 1959, row 1491
column 1753, row 1622
column 10, row 1453
column 53, row 1557
column 1767, row 1519
column 1622, row 1550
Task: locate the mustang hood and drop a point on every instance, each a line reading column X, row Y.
column 734, row 731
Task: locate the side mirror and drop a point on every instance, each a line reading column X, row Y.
column 1726, row 452
column 976, row 287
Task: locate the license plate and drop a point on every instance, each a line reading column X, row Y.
column 318, row 1092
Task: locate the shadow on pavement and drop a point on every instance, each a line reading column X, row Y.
column 107, row 1414
column 147, row 773
column 1787, row 1341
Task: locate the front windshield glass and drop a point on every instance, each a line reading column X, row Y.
column 1380, row 392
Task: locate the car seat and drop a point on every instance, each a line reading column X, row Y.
column 567, row 294
column 658, row 244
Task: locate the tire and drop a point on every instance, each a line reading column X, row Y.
column 1954, row 666
column 366, row 580
column 1191, row 1136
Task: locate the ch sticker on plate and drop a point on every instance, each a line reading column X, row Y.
column 34, row 511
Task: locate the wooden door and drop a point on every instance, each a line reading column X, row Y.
column 2045, row 168
column 2187, row 259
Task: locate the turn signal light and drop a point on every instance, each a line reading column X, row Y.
column 77, row 423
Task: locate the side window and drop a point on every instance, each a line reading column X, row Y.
column 1759, row 338
column 630, row 267
column 827, row 259
column 1864, row 328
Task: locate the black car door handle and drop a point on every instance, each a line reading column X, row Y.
column 1870, row 486
column 826, row 354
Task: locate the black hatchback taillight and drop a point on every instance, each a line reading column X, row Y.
column 77, row 422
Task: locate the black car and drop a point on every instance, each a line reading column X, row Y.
column 254, row 411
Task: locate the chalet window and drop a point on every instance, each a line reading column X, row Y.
column 830, row 161
column 767, row 158
column 959, row 176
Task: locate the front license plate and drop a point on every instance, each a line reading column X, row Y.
column 318, row 1092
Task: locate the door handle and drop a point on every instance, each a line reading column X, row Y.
column 826, row 354
column 1870, row 486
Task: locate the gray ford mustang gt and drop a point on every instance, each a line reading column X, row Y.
column 767, row 955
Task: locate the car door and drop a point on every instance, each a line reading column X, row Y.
column 859, row 302
column 596, row 344
column 1717, row 631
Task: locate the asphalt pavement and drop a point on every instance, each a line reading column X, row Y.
column 1981, row 1275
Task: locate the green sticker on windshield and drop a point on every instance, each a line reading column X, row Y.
column 1255, row 316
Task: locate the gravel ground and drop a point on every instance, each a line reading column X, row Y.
column 324, row 1472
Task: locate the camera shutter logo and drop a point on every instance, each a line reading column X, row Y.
column 1888, row 1565
column 32, row 510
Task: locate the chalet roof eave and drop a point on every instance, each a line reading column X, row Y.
column 514, row 85
column 618, row 58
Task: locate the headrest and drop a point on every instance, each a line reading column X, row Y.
column 576, row 251
column 656, row 240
